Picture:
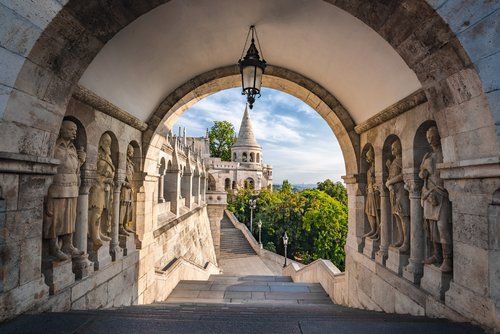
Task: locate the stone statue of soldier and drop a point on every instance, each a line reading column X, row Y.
column 60, row 208
column 126, row 195
column 436, row 204
column 101, row 194
column 400, row 203
column 372, row 204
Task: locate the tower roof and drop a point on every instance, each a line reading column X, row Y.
column 246, row 138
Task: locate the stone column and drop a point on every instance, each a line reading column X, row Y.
column 196, row 187
column 82, row 267
column 385, row 225
column 114, row 248
column 186, row 189
column 414, row 270
column 161, row 188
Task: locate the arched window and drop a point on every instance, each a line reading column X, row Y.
column 235, row 156
column 227, row 184
column 249, row 183
column 252, row 157
column 244, row 157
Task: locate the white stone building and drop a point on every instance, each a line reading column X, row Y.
column 246, row 169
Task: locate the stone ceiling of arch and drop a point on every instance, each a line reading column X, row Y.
column 173, row 43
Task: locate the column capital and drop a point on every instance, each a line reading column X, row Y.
column 414, row 187
column 87, row 178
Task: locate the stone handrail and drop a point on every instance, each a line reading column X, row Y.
column 181, row 269
column 256, row 246
column 323, row 272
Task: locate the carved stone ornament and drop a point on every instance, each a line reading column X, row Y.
column 437, row 207
column 126, row 196
column 60, row 207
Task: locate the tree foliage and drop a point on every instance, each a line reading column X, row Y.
column 315, row 221
column 222, row 137
column 334, row 189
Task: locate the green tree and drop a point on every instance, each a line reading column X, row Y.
column 334, row 189
column 222, row 137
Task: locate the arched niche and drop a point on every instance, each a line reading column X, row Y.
column 137, row 157
column 420, row 144
column 386, row 157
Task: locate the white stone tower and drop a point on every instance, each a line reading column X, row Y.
column 246, row 150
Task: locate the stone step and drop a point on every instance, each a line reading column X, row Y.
column 235, row 318
column 248, row 290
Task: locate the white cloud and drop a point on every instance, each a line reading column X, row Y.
column 295, row 139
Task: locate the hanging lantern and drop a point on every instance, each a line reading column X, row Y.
column 251, row 69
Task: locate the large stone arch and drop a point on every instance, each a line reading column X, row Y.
column 47, row 46
column 282, row 79
column 57, row 46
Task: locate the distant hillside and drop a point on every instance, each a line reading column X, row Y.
column 297, row 187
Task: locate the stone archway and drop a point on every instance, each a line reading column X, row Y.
column 47, row 53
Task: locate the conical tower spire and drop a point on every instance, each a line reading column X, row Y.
column 246, row 138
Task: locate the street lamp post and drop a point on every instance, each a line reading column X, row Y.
column 285, row 242
column 260, row 232
column 253, row 204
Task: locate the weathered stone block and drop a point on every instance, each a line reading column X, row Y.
column 405, row 305
column 10, row 258
column 371, row 248
column 35, row 113
column 11, row 63
column 470, row 267
column 58, row 274
column 98, row 297
column 396, row 261
column 128, row 244
column 101, row 257
column 29, row 264
column 39, row 13
column 488, row 71
column 17, row 34
column 471, row 230
column 383, row 294
column 435, row 281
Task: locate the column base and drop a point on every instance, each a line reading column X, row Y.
column 396, row 260
column 58, row 274
column 413, row 272
column 371, row 248
column 101, row 257
column 127, row 242
column 82, row 267
column 116, row 253
column 435, row 281
column 381, row 257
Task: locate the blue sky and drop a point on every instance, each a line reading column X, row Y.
column 295, row 140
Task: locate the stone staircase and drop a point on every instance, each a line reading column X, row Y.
column 276, row 290
column 233, row 243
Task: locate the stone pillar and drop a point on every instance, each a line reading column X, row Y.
column 161, row 188
column 186, row 188
column 82, row 267
column 356, row 205
column 173, row 191
column 114, row 249
column 385, row 225
column 216, row 204
column 414, row 270
column 196, row 189
column 203, row 186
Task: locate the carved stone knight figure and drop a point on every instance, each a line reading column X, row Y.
column 60, row 208
column 101, row 194
column 126, row 196
column 372, row 204
column 436, row 204
column 400, row 203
